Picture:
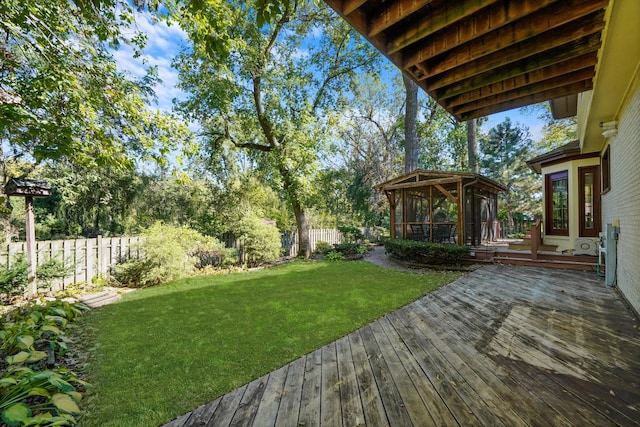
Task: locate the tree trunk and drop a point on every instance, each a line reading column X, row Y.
column 410, row 125
column 472, row 145
column 304, row 243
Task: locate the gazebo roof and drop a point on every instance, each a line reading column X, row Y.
column 423, row 178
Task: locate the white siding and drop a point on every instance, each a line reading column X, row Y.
column 623, row 201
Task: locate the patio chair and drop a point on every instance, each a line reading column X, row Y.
column 417, row 232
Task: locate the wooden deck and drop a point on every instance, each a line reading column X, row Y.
column 502, row 346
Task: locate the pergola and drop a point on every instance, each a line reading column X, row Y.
column 434, row 206
column 478, row 57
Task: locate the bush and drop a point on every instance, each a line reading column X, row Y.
column 425, row 252
column 323, row 247
column 334, row 256
column 260, row 241
column 351, row 234
column 168, row 253
column 13, row 280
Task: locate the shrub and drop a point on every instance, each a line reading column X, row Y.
column 351, row 234
column 260, row 241
column 13, row 279
column 167, row 253
column 323, row 247
column 425, row 252
column 334, row 256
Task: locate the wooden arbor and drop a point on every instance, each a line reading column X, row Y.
column 29, row 188
column 434, row 206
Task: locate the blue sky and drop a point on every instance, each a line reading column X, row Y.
column 165, row 42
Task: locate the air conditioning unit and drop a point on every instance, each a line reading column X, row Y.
column 586, row 246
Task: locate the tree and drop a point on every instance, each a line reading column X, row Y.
column 269, row 95
column 472, row 145
column 61, row 96
column 505, row 150
column 410, row 124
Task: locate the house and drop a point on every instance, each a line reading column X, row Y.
column 484, row 56
column 571, row 202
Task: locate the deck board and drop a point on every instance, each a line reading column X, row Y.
column 504, row 345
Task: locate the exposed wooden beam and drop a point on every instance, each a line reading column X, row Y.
column 545, row 59
column 472, row 27
column 535, row 76
column 558, row 38
column 446, row 193
column 560, row 20
column 394, row 13
column 528, row 100
column 447, row 14
column 546, row 85
column 349, row 6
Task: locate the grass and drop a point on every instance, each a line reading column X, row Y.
column 165, row 350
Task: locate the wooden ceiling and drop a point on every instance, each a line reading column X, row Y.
column 478, row 57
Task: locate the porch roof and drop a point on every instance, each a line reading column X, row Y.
column 561, row 153
column 478, row 57
column 423, row 178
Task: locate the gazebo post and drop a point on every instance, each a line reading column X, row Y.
column 30, row 229
column 461, row 225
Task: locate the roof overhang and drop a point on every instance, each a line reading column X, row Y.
column 617, row 75
column 478, row 57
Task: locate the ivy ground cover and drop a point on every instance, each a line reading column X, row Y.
column 165, row 350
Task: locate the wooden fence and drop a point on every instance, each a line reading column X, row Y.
column 92, row 258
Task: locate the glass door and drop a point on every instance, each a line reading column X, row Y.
column 589, row 201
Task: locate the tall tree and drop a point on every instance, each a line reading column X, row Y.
column 411, row 147
column 61, row 96
column 270, row 94
column 472, row 145
column 505, row 150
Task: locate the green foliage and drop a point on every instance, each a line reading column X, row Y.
column 323, row 247
column 168, row 253
column 30, row 395
column 505, row 150
column 53, row 269
column 425, row 252
column 13, row 279
column 334, row 256
column 351, row 234
column 260, row 241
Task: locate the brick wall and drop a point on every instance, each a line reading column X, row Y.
column 623, row 201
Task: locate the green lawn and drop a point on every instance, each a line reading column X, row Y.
column 165, row 350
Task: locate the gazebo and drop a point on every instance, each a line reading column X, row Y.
column 434, row 206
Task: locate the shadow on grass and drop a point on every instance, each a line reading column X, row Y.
column 164, row 351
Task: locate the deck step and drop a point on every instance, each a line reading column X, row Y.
column 549, row 263
column 99, row 299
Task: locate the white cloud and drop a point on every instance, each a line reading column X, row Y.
column 163, row 44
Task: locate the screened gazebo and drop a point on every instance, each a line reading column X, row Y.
column 434, row 206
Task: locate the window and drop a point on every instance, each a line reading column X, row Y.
column 589, row 201
column 557, row 204
column 606, row 170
